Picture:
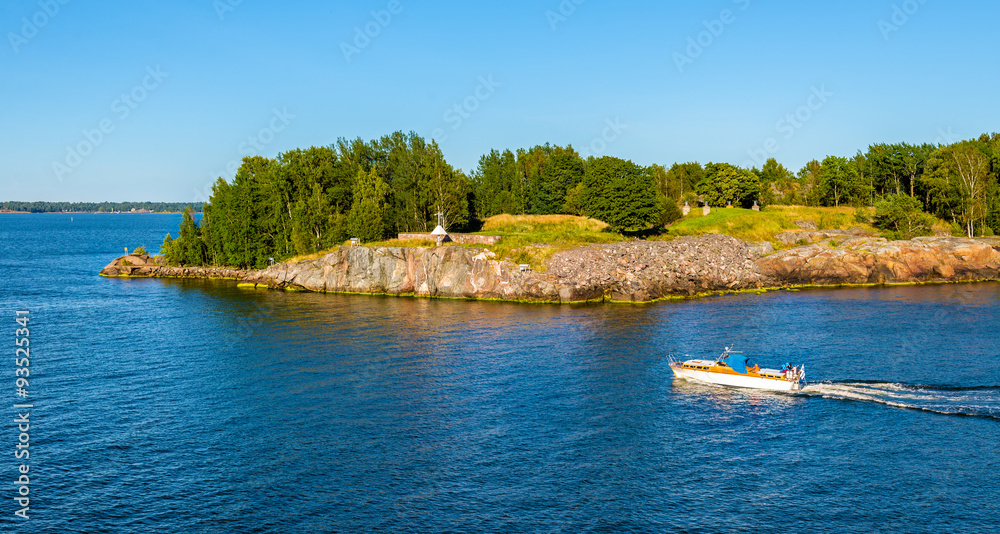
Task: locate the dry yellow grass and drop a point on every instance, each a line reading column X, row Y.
column 316, row 255
column 533, row 239
column 524, row 224
column 404, row 243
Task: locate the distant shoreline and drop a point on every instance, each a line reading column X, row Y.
column 97, row 212
column 43, row 206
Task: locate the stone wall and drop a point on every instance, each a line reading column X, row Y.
column 465, row 239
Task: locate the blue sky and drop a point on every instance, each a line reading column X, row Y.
column 132, row 101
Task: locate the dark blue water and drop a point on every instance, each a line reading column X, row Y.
column 191, row 406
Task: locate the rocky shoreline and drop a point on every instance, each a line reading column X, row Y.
column 635, row 271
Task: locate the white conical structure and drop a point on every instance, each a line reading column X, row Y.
column 440, row 233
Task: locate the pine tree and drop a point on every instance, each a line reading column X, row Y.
column 192, row 248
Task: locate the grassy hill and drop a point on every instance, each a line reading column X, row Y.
column 764, row 225
column 533, row 239
column 530, row 239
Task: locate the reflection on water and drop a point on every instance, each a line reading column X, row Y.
column 725, row 398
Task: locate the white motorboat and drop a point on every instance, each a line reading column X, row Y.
column 733, row 369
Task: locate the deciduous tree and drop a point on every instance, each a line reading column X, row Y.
column 724, row 183
column 621, row 194
column 367, row 220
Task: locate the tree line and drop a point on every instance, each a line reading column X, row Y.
column 307, row 200
column 959, row 183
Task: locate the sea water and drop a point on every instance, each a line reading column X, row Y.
column 196, row 406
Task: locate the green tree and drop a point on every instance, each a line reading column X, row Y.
column 621, row 194
column 680, row 180
column 724, row 183
column 670, row 188
column 903, row 217
column 778, row 183
column 217, row 221
column 960, row 183
column 308, row 193
column 191, row 245
column 449, row 191
column 575, row 201
column 250, row 239
column 311, row 221
column 170, row 251
column 367, row 219
column 406, row 169
column 188, row 248
column 497, row 185
column 914, row 162
column 838, row 182
column 549, row 171
column 808, row 176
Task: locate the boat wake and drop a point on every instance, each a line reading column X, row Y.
column 981, row 401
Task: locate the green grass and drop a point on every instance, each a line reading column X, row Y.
column 763, row 225
column 533, row 239
column 540, row 224
column 530, row 239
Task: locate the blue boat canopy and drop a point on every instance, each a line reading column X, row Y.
column 738, row 362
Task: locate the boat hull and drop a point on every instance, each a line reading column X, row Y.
column 735, row 380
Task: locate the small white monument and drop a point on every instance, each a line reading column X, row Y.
column 686, row 209
column 439, row 233
column 706, row 209
column 755, row 206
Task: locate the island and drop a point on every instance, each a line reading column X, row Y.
column 544, row 224
column 627, row 271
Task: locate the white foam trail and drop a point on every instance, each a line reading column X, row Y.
column 981, row 402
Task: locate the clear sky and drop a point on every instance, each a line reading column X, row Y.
column 134, row 101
